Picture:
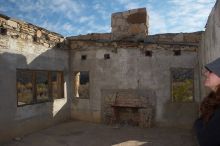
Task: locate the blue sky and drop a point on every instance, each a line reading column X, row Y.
column 74, row 17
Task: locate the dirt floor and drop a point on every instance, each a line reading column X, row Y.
column 78, row 133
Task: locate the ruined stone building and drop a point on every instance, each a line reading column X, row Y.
column 124, row 77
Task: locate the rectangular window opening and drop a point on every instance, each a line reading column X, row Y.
column 148, row 53
column 34, row 86
column 83, row 57
column 81, row 84
column 106, row 56
column 182, row 84
column 177, row 52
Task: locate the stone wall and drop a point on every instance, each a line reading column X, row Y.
column 187, row 42
column 19, row 50
column 92, row 36
column 131, row 67
column 139, row 63
column 135, row 62
column 132, row 24
column 129, row 107
column 18, row 29
column 194, row 37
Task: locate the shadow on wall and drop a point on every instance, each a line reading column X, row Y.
column 55, row 60
column 19, row 120
column 8, row 104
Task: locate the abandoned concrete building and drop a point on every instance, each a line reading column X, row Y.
column 125, row 76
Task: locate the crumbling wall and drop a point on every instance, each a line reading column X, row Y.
column 134, row 62
column 22, row 30
column 175, row 37
column 25, row 46
column 132, row 24
column 129, row 67
column 92, row 36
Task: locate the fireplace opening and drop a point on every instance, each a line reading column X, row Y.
column 128, row 116
column 128, row 108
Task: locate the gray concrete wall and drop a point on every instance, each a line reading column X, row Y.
column 131, row 69
column 24, row 54
column 210, row 44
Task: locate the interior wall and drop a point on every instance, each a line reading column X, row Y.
column 24, row 54
column 131, row 69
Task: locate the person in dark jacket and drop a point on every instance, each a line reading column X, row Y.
column 207, row 126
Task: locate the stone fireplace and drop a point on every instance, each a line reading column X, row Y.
column 127, row 107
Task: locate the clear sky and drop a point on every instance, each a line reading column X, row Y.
column 74, row 17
